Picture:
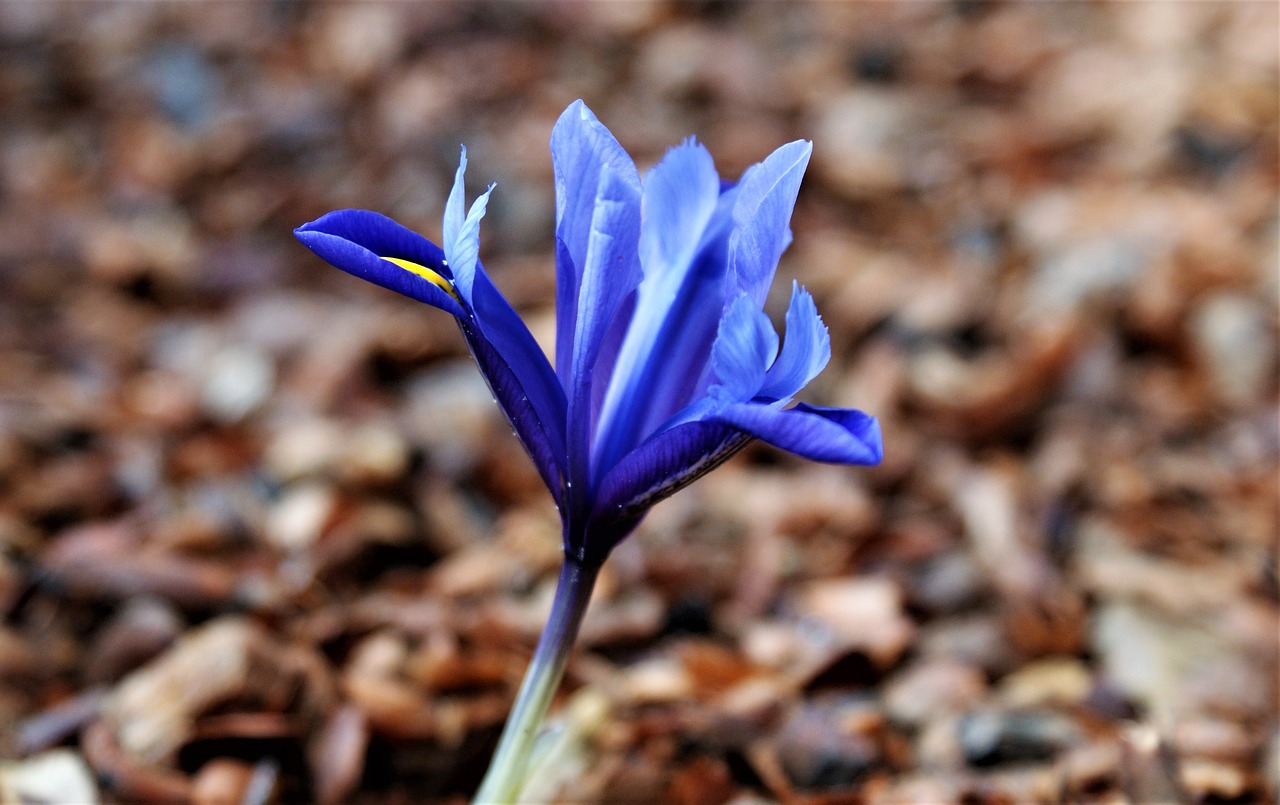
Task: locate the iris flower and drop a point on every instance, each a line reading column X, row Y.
column 665, row 363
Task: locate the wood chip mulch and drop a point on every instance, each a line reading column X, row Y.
column 265, row 539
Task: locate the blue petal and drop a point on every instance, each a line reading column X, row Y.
column 462, row 233
column 608, row 357
column 506, row 331
column 679, row 455
column 581, row 150
column 664, row 356
column 680, row 196
column 805, row 351
column 357, row 240
column 380, row 235
column 745, row 346
column 455, row 207
column 661, row 466
column 836, row 435
column 536, row 429
column 647, row 390
column 498, row 323
column 762, row 215
column 518, row 373
column 611, row 272
column 859, row 424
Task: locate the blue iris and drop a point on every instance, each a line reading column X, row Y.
column 665, row 363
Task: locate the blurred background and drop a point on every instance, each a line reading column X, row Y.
column 265, row 538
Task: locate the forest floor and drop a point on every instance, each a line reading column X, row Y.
column 264, row 537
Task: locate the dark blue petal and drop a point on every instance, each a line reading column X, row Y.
column 805, row 350
column 836, row 435
column 859, row 424
column 581, row 149
column 762, row 215
column 745, row 346
column 536, row 430
column 515, row 368
column 661, row 466
column 679, row 455
column 380, row 235
column 357, row 240
column 503, row 327
column 535, row 384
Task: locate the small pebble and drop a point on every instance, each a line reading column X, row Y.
column 56, row 776
column 239, row 380
column 221, row 781
column 1235, row 339
column 300, row 517
column 990, row 738
column 928, row 690
column 1059, row 681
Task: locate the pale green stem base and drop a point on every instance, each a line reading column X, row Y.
column 507, row 770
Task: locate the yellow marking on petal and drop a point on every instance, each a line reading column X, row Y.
column 426, row 273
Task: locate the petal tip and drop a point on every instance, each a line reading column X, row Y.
column 875, row 441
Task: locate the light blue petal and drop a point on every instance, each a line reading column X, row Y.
column 762, row 214
column 738, row 253
column 608, row 356
column 805, row 350
column 581, row 148
column 663, row 358
column 645, row 391
column 835, row 435
column 611, row 272
column 455, row 208
column 462, row 234
column 679, row 197
column 744, row 348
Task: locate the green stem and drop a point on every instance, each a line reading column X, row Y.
column 507, row 770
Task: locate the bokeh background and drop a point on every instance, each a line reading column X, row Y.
column 264, row 537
